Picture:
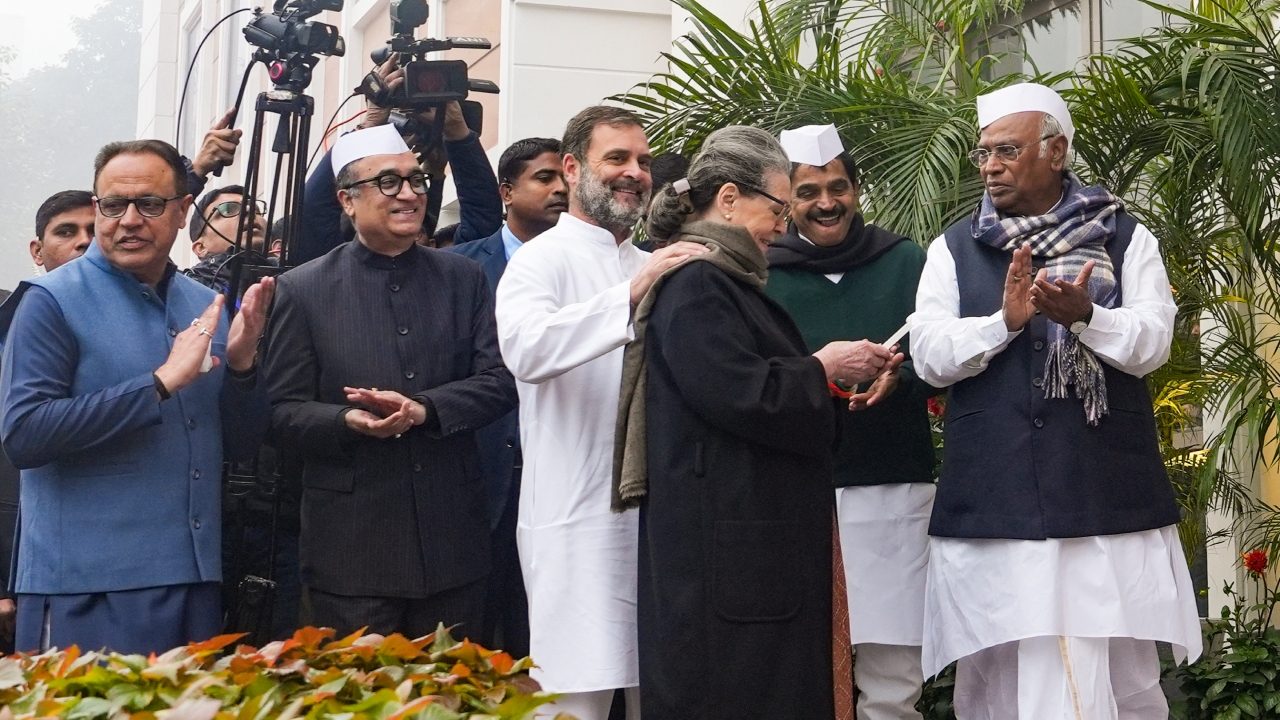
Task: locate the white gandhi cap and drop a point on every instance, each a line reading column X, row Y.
column 380, row 140
column 814, row 145
column 1025, row 97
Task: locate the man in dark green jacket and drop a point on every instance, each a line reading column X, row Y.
column 843, row 279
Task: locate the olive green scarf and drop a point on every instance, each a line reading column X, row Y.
column 737, row 255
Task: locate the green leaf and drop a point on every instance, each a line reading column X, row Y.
column 1247, row 705
column 89, row 708
column 129, row 697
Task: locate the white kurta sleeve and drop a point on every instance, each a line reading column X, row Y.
column 1136, row 336
column 945, row 347
column 541, row 338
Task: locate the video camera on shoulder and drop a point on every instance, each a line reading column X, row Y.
column 427, row 83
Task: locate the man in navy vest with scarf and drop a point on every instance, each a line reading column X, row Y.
column 123, row 388
column 1054, row 561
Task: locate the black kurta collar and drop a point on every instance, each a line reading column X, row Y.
column 384, row 262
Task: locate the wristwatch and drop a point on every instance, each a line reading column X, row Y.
column 1081, row 325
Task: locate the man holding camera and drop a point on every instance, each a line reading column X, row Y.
column 383, row 361
column 478, row 203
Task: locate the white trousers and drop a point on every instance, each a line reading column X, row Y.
column 591, row 705
column 889, row 680
column 1062, row 678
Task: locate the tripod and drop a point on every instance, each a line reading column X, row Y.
column 290, row 147
column 251, row 609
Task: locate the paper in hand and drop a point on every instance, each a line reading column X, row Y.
column 897, row 335
column 207, row 364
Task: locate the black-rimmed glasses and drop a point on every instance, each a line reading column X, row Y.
column 1003, row 153
column 148, row 205
column 389, row 184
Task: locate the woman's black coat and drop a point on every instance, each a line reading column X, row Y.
column 735, row 534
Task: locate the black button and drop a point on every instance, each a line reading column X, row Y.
column 1038, row 423
column 417, row 467
column 1038, row 345
column 395, row 288
column 409, row 375
column 146, row 295
column 173, row 333
column 195, row 474
column 1038, row 382
column 191, row 423
column 196, row 523
column 402, row 330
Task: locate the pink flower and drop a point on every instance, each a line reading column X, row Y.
column 936, row 407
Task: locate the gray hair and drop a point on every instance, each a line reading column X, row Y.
column 736, row 154
column 1049, row 129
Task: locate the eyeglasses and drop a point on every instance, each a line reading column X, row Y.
column 1004, row 153
column 785, row 214
column 232, row 208
column 148, row 205
column 390, row 183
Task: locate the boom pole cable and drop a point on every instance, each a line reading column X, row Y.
column 329, row 128
column 177, row 131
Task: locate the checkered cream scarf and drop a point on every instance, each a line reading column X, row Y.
column 1074, row 232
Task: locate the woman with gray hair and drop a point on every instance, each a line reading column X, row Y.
column 725, row 435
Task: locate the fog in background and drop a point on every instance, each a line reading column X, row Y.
column 55, row 115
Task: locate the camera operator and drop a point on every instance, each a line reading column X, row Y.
column 478, row 201
column 213, row 232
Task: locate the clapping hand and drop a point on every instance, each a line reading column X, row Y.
column 1065, row 302
column 246, row 329
column 1018, row 307
column 389, row 413
column 190, row 348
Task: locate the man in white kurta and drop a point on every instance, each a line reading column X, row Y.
column 1054, row 563
column 564, row 314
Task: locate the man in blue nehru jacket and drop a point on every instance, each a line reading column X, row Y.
column 121, row 388
column 1054, row 564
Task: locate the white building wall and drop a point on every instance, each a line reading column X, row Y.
column 563, row 55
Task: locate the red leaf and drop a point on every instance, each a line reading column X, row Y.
column 311, row 637
column 345, row 642
column 502, row 662
column 215, row 644
column 398, row 646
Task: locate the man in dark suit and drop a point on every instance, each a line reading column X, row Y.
column 382, row 362
column 534, row 193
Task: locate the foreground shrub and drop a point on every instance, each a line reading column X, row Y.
column 359, row 677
